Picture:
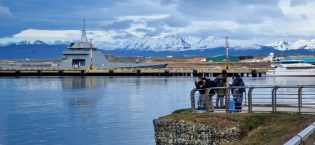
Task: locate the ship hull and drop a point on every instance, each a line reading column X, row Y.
column 309, row 73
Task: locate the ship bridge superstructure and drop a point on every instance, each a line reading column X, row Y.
column 83, row 44
column 79, row 54
column 84, row 54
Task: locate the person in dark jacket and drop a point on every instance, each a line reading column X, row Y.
column 199, row 84
column 237, row 93
column 221, row 82
column 232, row 89
column 210, row 84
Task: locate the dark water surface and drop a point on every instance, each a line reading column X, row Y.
column 95, row 110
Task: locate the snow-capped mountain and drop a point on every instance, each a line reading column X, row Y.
column 158, row 47
column 299, row 44
column 32, row 42
column 167, row 43
column 176, row 43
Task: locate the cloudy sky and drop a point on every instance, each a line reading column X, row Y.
column 257, row 21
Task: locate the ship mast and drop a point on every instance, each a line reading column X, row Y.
column 83, row 37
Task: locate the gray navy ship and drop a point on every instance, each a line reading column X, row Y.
column 84, row 54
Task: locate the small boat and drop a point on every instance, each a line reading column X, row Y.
column 292, row 70
column 281, row 62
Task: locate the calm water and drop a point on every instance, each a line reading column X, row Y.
column 95, row 110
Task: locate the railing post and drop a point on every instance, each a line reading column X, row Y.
column 274, row 103
column 300, row 98
column 206, row 95
column 227, row 100
column 192, row 99
column 245, row 98
column 250, row 102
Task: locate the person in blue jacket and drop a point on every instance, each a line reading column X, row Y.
column 237, row 92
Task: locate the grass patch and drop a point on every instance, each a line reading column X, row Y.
column 254, row 121
column 259, row 128
column 182, row 111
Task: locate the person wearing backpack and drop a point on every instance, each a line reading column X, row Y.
column 238, row 92
column 221, row 82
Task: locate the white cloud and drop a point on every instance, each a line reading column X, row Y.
column 44, row 33
column 267, row 20
column 144, row 17
column 53, row 35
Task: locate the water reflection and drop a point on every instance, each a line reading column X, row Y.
column 77, row 82
column 84, row 82
column 81, row 101
column 95, row 110
column 81, row 110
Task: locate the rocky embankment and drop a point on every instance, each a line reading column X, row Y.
column 168, row 131
column 184, row 127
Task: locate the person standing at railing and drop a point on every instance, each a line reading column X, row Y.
column 203, row 85
column 199, row 85
column 209, row 84
column 232, row 89
column 238, row 92
column 221, row 82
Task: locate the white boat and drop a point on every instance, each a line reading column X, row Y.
column 295, row 69
column 281, row 62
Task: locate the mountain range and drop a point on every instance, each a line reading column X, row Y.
column 160, row 47
column 175, row 43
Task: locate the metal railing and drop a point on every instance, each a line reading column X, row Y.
column 266, row 98
column 306, row 136
column 270, row 98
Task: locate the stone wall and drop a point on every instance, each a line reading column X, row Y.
column 190, row 133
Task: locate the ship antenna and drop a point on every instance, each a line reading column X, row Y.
column 83, row 24
column 83, row 37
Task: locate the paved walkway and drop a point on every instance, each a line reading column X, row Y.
column 255, row 109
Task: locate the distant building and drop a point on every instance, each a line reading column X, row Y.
column 222, row 58
column 270, row 58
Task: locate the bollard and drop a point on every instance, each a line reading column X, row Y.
column 167, row 72
column 138, row 72
column 60, row 72
column 111, row 71
column 195, row 72
column 17, row 72
column 39, row 72
column 82, row 72
column 254, row 73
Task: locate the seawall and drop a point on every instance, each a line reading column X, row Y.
column 168, row 131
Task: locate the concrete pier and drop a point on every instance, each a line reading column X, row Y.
column 128, row 71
